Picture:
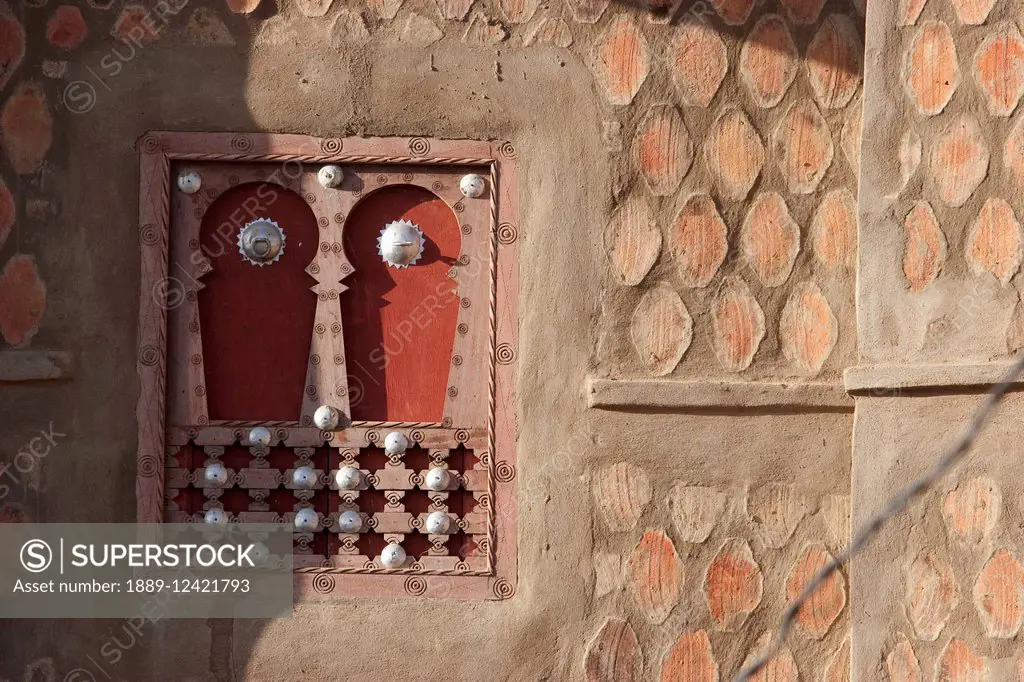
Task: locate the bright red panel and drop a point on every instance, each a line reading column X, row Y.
column 257, row 322
column 400, row 324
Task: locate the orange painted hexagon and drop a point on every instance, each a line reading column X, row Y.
column 22, row 300
column 770, row 239
column 973, row 12
column 999, row 69
column 698, row 61
column 690, row 660
column 901, row 663
column 621, row 60
column 931, row 73
column 999, row 595
column 66, row 29
column 833, row 62
column 816, row 616
column 924, row 246
column 834, row 230
column 697, row 241
column 734, row 154
column 614, row 654
column 632, row 241
column 994, row 241
column 733, row 12
column 733, row 584
column 808, row 330
column 932, row 595
column 737, row 322
column 959, row 664
column 26, row 128
column 972, row 509
column 662, row 149
column 958, row 160
column 768, row 61
column 656, row 575
column 803, row 144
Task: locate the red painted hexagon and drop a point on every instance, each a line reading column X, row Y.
column 973, row 12
column 661, row 330
column 959, row 664
column 808, row 329
column 972, row 509
column 733, row 585
column 737, row 321
column 655, row 572
column 999, row 69
column 833, row 62
column 662, row 149
column 803, row 144
column 26, row 128
column 734, row 154
column 22, row 300
column 697, row 240
column 698, row 61
column 999, row 595
column 994, row 241
column 901, row 663
column 690, row 660
column 768, row 61
column 733, row 12
column 621, row 60
column 614, row 654
column 632, row 241
column 932, row 595
column 834, row 229
column 818, row 613
column 958, row 160
column 770, row 239
column 12, row 43
column 931, row 73
column 67, row 28
column 924, row 246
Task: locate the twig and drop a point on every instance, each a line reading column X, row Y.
column 890, row 510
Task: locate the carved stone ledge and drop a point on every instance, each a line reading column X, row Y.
column 36, row 365
column 889, row 379
column 666, row 394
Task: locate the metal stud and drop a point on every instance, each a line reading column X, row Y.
column 393, row 556
column 216, row 474
column 304, row 477
column 438, row 523
column 395, row 444
column 215, row 517
column 348, row 478
column 472, row 186
column 330, row 176
column 350, row 522
column 307, row 520
column 400, row 244
column 326, row 418
column 259, row 437
column 190, row 182
column 261, row 242
column 259, row 553
column 437, row 479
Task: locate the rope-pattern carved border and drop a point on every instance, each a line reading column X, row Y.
column 332, row 158
column 362, row 570
column 492, row 369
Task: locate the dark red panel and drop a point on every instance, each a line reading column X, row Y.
column 400, row 324
column 257, row 321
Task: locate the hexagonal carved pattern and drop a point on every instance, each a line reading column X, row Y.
column 960, row 664
column 26, row 128
column 973, row 12
column 804, row 148
column 734, row 154
column 782, row 668
column 834, row 230
column 808, row 330
column 733, row 12
column 776, row 509
column 768, row 61
column 958, row 160
column 972, row 509
column 833, row 62
column 999, row 595
column 738, row 325
column 994, row 241
column 621, row 492
column 662, row 149
column 621, row 60
column 695, row 510
column 999, row 69
column 770, row 239
column 690, row 660
column 22, row 300
column 931, row 73
column 656, row 576
column 697, row 241
column 661, row 329
column 932, row 595
column 901, row 663
column 733, row 584
column 698, row 62
column 924, row 246
column 819, row 612
column 613, row 654
column 838, row 669
column 632, row 241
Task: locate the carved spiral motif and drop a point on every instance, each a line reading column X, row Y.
column 416, row 585
column 505, row 354
column 339, row 217
column 485, row 458
column 459, row 207
column 203, row 420
column 336, row 247
column 507, row 233
column 416, row 435
column 484, row 501
column 503, row 589
column 149, row 355
column 372, row 437
column 193, row 326
column 348, row 543
column 465, row 303
column 325, row 247
column 437, row 186
column 504, row 472
column 233, row 180
column 371, row 522
column 311, row 391
column 193, row 244
column 461, row 435
column 370, row 566
column 339, row 360
column 323, row 583
column 309, row 197
column 314, row 268
column 196, row 359
column 457, row 360
column 323, row 221
column 322, row 296
column 340, row 391
column 336, row 328
column 306, row 420
column 462, row 567
column 148, row 466
column 466, row 229
column 320, row 328
column 331, row 145
column 314, row 359
column 198, row 212
column 148, row 234
column 406, row 177
column 241, row 143
column 200, row 390
column 332, row 294
column 382, row 179
column 446, row 422
column 464, row 259
column 346, row 268
column 192, row 434
column 452, row 391
column 507, row 150
column 281, row 434
column 191, row 295
column 151, row 144
column 419, row 146
column 463, row 328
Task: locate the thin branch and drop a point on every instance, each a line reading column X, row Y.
column 896, row 505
